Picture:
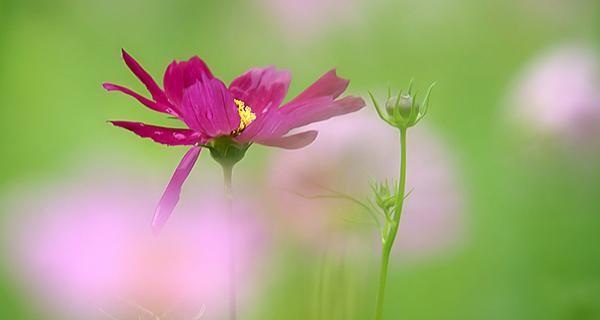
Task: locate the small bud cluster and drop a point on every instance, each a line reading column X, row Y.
column 403, row 111
column 384, row 196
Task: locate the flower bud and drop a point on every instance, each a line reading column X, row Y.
column 402, row 111
column 384, row 195
column 403, row 103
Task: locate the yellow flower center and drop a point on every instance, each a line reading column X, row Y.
column 246, row 116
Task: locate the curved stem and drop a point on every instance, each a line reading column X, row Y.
column 391, row 229
column 227, row 174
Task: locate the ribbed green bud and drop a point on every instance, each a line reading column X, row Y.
column 403, row 103
column 402, row 111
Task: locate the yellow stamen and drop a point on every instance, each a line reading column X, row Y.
column 246, row 116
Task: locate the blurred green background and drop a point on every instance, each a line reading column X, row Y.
column 531, row 249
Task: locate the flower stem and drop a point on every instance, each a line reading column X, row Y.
column 227, row 174
column 402, row 181
column 391, row 228
column 385, row 259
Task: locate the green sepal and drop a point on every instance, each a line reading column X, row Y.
column 226, row 151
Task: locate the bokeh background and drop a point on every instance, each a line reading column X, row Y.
column 503, row 221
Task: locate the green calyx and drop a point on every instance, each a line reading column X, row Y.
column 403, row 110
column 226, row 151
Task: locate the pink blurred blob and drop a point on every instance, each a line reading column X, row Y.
column 346, row 157
column 558, row 95
column 305, row 19
column 86, row 247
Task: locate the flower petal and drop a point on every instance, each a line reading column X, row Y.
column 170, row 197
column 329, row 85
column 317, row 103
column 180, row 75
column 168, row 136
column 145, row 101
column 157, row 94
column 294, row 141
column 208, row 107
column 317, row 109
column 261, row 88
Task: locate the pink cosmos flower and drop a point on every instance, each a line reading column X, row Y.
column 249, row 111
column 345, row 159
column 559, row 95
column 82, row 249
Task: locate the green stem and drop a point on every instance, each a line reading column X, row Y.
column 385, row 259
column 391, row 228
column 402, row 181
column 227, row 174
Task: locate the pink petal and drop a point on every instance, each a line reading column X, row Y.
column 180, row 75
column 145, row 101
column 157, row 94
column 294, row 141
column 317, row 103
column 170, row 197
column 265, row 122
column 318, row 109
column 329, row 85
column 208, row 107
column 303, row 113
column 168, row 136
column 261, row 88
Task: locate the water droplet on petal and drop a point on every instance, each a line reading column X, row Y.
column 179, row 136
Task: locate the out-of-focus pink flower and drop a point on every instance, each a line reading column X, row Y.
column 86, row 246
column 303, row 19
column 558, row 95
column 353, row 152
column 250, row 110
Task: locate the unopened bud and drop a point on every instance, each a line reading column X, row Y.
column 404, row 104
column 402, row 111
